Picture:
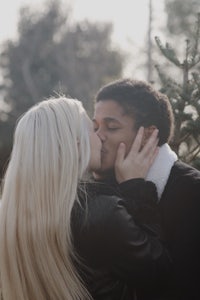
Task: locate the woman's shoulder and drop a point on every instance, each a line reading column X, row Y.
column 94, row 221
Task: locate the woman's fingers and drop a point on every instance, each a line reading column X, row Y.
column 138, row 161
column 151, row 144
column 136, row 146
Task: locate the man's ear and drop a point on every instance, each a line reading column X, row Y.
column 147, row 133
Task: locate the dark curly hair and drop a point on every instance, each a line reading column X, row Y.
column 140, row 100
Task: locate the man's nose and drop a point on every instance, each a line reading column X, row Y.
column 101, row 134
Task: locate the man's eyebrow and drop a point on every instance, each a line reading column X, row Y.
column 108, row 120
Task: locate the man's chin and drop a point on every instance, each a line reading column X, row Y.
column 103, row 174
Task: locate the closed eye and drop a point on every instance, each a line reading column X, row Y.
column 113, row 128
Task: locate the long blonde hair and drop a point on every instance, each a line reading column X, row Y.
column 50, row 154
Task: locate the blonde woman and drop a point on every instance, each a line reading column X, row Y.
column 51, row 229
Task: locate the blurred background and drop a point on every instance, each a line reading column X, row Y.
column 74, row 47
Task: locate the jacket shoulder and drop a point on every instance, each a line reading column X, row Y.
column 183, row 185
column 182, row 169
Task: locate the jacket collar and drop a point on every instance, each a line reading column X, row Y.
column 160, row 169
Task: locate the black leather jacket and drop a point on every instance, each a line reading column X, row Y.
column 117, row 236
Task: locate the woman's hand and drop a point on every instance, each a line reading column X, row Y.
column 138, row 161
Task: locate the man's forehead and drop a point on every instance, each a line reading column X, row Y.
column 108, row 109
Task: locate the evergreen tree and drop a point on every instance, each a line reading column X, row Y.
column 181, row 16
column 185, row 97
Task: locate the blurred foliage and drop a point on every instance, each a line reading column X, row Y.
column 184, row 95
column 181, row 15
column 52, row 56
